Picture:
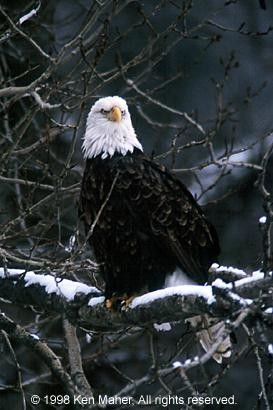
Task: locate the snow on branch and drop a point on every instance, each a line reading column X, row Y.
column 29, row 15
column 83, row 305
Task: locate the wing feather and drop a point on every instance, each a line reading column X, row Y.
column 163, row 208
column 152, row 201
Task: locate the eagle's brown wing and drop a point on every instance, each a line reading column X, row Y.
column 164, row 209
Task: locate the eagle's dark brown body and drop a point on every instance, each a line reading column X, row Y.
column 148, row 225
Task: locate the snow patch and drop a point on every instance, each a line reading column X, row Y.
column 211, row 300
column 29, row 15
column 177, row 364
column 262, row 220
column 219, row 283
column 11, row 272
column 239, row 299
column 71, row 244
column 255, row 276
column 89, row 337
column 270, row 349
column 64, row 287
column 183, row 290
column 221, row 269
column 96, row 300
column 163, row 327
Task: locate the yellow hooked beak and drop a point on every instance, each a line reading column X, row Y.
column 115, row 114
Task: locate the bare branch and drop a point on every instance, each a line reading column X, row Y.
column 25, row 36
column 186, row 116
column 41, row 348
column 75, row 360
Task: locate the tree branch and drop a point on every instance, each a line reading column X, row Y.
column 21, row 336
column 75, row 360
column 84, row 305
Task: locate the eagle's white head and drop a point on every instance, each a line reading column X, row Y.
column 109, row 129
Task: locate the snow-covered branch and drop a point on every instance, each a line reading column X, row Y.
column 84, row 305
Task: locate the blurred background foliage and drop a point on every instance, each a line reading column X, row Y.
column 210, row 59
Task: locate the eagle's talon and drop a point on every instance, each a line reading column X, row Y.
column 111, row 303
column 121, row 302
column 126, row 302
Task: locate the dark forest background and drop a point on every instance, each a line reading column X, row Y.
column 198, row 79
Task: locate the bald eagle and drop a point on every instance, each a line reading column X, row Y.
column 141, row 221
column 145, row 223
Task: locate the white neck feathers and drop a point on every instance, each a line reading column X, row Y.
column 104, row 137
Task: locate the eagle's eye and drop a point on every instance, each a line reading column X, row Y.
column 123, row 112
column 103, row 111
